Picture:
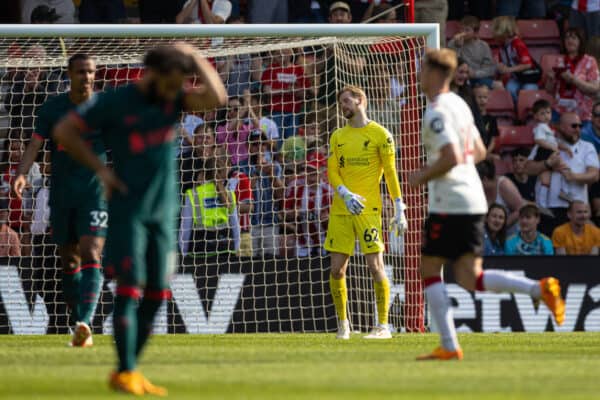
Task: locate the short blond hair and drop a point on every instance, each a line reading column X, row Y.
column 355, row 92
column 504, row 26
column 444, row 60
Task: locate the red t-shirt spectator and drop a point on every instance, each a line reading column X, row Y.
column 516, row 53
column 240, row 184
column 283, row 81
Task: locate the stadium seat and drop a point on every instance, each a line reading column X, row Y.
column 485, row 32
column 538, row 52
column 526, row 100
column 500, row 104
column 452, row 28
column 539, row 32
column 515, row 136
column 548, row 61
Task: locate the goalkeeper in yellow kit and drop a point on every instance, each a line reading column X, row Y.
column 359, row 154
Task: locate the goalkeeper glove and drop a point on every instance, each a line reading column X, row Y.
column 354, row 202
column 399, row 224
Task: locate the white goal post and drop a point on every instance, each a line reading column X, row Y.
column 282, row 82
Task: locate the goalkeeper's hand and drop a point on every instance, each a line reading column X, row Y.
column 354, row 202
column 399, row 224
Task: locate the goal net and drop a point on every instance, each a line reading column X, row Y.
column 251, row 259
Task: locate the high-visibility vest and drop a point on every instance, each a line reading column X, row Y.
column 206, row 205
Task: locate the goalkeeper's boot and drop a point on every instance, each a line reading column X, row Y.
column 379, row 332
column 150, row 388
column 82, row 336
column 343, row 331
column 130, row 382
column 550, row 289
column 442, row 354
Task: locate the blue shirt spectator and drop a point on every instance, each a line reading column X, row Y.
column 529, row 241
column 591, row 132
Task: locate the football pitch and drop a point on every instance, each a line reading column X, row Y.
column 312, row 366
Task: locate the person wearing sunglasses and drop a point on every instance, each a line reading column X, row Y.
column 579, row 171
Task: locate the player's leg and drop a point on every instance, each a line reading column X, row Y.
column 368, row 228
column 470, row 275
column 71, row 276
column 440, row 243
column 125, row 252
column 340, row 244
column 160, row 264
column 381, row 285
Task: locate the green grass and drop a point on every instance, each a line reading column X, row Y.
column 312, row 366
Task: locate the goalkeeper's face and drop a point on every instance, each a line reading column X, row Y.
column 350, row 105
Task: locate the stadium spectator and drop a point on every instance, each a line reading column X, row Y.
column 382, row 13
column 578, row 171
column 585, row 14
column 44, row 15
column 159, row 11
column 256, row 105
column 591, row 132
column 307, row 11
column 10, row 245
column 268, row 187
column 102, row 12
column 240, row 72
column 481, row 9
column 522, row 8
column 234, row 133
column 460, row 85
column 204, row 12
column 500, row 190
column 307, row 144
column 29, row 89
column 476, row 53
column 306, row 211
column 268, row 11
column 203, row 148
column 383, row 106
column 578, row 236
column 340, row 13
column 47, row 11
column 575, row 80
column 209, row 219
column 186, row 131
column 239, row 184
column 528, row 241
column 525, row 183
column 489, row 134
column 547, row 144
column 288, row 87
column 519, row 68
column 494, row 236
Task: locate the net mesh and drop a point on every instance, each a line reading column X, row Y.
column 260, row 266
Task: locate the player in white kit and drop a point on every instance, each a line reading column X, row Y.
column 453, row 232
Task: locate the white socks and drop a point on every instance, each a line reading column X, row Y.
column 500, row 281
column 439, row 307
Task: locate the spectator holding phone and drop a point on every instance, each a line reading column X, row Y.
column 575, row 80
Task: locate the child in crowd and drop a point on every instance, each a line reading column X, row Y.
column 529, row 241
column 547, row 144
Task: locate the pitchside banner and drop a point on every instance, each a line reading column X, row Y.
column 226, row 296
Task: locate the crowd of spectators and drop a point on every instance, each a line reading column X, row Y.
column 253, row 175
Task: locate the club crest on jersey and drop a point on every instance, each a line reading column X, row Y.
column 437, row 125
column 366, row 144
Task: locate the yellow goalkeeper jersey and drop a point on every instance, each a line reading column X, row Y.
column 358, row 157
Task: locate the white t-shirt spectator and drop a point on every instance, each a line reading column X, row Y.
column 584, row 156
column 269, row 128
column 542, row 131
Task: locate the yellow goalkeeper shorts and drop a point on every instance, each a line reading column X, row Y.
column 343, row 230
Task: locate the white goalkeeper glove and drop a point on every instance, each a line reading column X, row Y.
column 399, row 224
column 354, row 202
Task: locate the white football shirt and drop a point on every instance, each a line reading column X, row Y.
column 448, row 119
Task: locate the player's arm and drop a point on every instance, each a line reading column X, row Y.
column 68, row 132
column 211, row 93
column 29, row 156
column 449, row 158
column 354, row 203
column 480, row 152
column 387, row 154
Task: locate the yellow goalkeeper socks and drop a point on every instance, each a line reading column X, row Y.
column 339, row 292
column 382, row 297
